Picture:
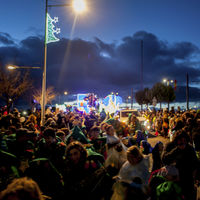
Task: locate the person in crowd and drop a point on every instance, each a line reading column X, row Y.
column 139, row 136
column 49, row 147
column 116, row 153
column 145, row 147
column 133, row 173
column 183, row 154
column 136, row 166
column 98, row 142
column 22, row 189
column 165, row 127
column 156, row 156
column 78, row 170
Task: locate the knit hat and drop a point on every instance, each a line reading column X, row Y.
column 78, row 135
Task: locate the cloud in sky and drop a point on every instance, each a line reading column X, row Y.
column 85, row 66
column 6, row 39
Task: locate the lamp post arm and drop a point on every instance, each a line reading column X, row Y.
column 26, row 67
column 59, row 5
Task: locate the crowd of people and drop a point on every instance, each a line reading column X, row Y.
column 95, row 156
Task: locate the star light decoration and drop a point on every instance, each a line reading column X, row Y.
column 50, row 31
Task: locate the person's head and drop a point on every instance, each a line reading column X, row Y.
column 22, row 189
column 196, row 140
column 110, row 130
column 49, row 135
column 145, row 147
column 22, row 134
column 61, row 135
column 103, row 126
column 75, row 153
column 94, row 132
column 159, row 146
column 65, row 130
column 181, row 139
column 134, row 156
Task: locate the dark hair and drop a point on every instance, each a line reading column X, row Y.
column 181, row 134
column 65, row 130
column 60, row 133
column 135, row 152
column 108, row 127
column 49, row 132
column 76, row 145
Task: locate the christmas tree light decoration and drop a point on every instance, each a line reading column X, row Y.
column 50, row 31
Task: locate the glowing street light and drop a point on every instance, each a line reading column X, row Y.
column 12, row 67
column 65, row 93
column 164, row 80
column 79, row 6
column 167, row 81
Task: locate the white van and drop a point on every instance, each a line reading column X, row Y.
column 123, row 115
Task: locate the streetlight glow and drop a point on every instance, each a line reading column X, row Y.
column 164, row 80
column 79, row 6
column 11, row 67
column 65, row 93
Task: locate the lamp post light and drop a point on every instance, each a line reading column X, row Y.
column 168, row 83
column 12, row 67
column 79, row 7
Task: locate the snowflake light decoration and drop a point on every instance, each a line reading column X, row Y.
column 50, row 30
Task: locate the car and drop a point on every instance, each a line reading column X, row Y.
column 124, row 114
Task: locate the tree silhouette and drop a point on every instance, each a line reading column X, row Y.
column 12, row 85
column 139, row 97
column 169, row 95
column 159, row 92
column 163, row 93
column 50, row 95
column 147, row 96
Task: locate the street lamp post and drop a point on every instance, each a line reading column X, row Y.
column 167, row 81
column 78, row 6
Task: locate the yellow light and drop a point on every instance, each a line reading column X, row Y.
column 11, row 67
column 164, row 80
column 79, row 6
column 65, row 93
column 171, row 81
column 24, row 113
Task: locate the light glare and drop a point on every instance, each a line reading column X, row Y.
column 11, row 67
column 79, row 6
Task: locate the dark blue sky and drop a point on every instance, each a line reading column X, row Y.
column 105, row 44
column 109, row 20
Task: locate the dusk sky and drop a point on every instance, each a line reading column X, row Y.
column 103, row 53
